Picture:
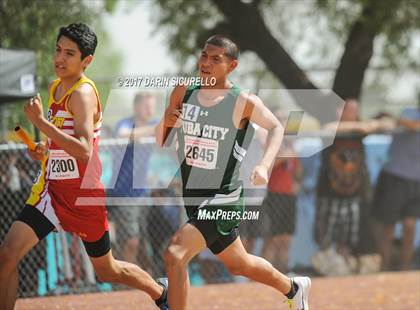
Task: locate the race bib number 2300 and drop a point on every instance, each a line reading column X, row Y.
column 62, row 166
column 201, row 152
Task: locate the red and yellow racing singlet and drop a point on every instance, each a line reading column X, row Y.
column 60, row 171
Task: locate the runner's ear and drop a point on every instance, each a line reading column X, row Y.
column 233, row 64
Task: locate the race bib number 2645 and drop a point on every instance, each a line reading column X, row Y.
column 201, row 152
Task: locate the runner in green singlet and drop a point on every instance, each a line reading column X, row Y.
column 213, row 127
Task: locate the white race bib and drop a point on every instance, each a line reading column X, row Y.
column 201, row 152
column 62, row 166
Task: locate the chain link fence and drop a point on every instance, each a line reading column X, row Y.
column 143, row 219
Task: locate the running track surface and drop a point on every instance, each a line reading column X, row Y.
column 393, row 291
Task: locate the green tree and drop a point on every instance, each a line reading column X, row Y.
column 106, row 64
column 33, row 24
column 262, row 27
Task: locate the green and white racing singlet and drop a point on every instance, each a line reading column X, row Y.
column 211, row 148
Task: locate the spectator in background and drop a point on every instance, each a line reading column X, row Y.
column 105, row 155
column 397, row 195
column 14, row 188
column 343, row 192
column 163, row 220
column 277, row 219
column 254, row 194
column 279, row 206
column 131, row 179
column 16, row 172
column 27, row 171
column 163, row 217
column 13, row 178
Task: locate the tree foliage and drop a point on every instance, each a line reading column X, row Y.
column 34, row 24
column 269, row 28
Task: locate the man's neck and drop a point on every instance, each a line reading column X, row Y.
column 215, row 91
column 220, row 84
column 67, row 83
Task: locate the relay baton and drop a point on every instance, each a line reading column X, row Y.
column 24, row 137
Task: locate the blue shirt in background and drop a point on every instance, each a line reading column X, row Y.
column 131, row 179
column 404, row 152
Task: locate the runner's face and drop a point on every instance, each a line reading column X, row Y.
column 67, row 59
column 214, row 63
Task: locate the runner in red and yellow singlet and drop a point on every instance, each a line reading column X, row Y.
column 70, row 172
